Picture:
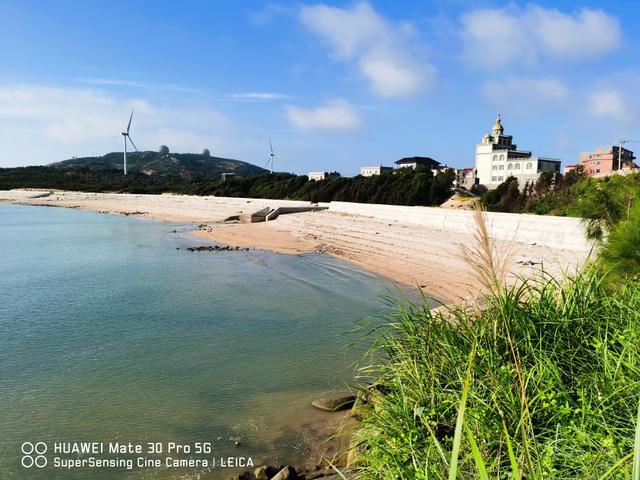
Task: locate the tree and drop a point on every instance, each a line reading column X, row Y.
column 206, row 152
column 544, row 183
column 505, row 198
column 164, row 150
column 574, row 175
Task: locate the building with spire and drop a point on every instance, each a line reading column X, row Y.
column 498, row 158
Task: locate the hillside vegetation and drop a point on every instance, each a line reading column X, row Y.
column 401, row 187
column 157, row 163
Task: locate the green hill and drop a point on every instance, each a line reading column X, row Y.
column 154, row 163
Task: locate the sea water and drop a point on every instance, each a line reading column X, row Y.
column 111, row 331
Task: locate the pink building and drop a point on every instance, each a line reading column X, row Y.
column 605, row 160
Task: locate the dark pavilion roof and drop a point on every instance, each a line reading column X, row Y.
column 427, row 161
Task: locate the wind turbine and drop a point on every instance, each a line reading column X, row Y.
column 125, row 137
column 271, row 157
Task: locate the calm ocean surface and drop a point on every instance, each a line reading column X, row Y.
column 109, row 333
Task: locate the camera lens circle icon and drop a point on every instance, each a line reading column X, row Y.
column 41, row 461
column 40, row 448
column 27, row 461
column 27, row 448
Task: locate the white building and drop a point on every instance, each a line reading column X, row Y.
column 371, row 171
column 316, row 176
column 498, row 158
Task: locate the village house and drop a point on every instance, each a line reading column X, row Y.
column 371, row 171
column 414, row 162
column 466, row 178
column 606, row 160
column 316, row 176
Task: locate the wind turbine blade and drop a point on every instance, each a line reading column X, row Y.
column 134, row 145
column 129, row 125
column 270, row 147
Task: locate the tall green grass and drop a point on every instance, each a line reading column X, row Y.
column 620, row 255
column 542, row 382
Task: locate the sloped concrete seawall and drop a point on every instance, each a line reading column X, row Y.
column 554, row 232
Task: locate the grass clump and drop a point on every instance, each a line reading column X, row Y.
column 547, row 376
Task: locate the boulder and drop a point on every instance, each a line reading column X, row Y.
column 335, row 404
column 287, row 473
column 264, row 472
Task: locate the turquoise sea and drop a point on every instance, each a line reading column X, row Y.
column 111, row 331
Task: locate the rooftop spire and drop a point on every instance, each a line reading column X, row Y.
column 498, row 129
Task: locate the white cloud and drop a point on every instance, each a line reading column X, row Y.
column 43, row 123
column 503, row 36
column 606, row 102
column 256, row 96
column 383, row 52
column 525, row 95
column 335, row 115
column 116, row 82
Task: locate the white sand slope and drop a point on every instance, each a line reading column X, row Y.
column 404, row 252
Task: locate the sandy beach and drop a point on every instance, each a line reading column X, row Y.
column 404, row 252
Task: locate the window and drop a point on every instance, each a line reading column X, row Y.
column 501, row 157
column 495, row 158
column 500, row 179
column 516, row 166
column 495, row 167
column 529, row 166
column 510, row 166
column 493, row 179
column 501, row 167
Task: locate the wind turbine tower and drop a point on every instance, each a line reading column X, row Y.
column 271, row 157
column 126, row 137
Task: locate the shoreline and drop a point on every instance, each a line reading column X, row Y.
column 409, row 254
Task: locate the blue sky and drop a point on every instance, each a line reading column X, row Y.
column 335, row 85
